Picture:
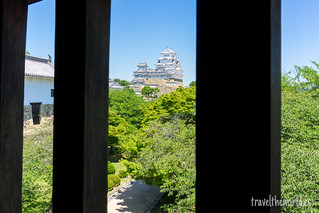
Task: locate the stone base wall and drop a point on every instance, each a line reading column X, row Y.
column 45, row 111
column 162, row 84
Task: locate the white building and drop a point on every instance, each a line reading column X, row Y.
column 38, row 86
column 168, row 67
column 167, row 74
column 39, row 80
column 114, row 85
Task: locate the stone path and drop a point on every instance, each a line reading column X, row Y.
column 135, row 197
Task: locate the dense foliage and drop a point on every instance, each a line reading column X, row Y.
column 155, row 139
column 127, row 104
column 120, row 132
column 164, row 148
column 181, row 102
column 300, row 155
column 299, row 136
column 168, row 161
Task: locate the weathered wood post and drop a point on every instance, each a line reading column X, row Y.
column 13, row 18
column 244, row 76
column 80, row 133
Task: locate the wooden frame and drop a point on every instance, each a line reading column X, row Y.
column 13, row 16
column 81, row 61
column 238, row 105
column 80, row 145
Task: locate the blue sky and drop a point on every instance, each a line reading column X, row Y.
column 140, row 30
column 300, row 33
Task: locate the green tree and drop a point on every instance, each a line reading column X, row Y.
column 119, row 133
column 148, row 90
column 168, row 161
column 307, row 77
column 181, row 102
column 127, row 104
column 122, row 82
column 193, row 83
column 288, row 83
column 155, row 91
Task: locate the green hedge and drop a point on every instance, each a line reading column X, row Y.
column 115, row 178
column 110, row 168
column 123, row 174
column 110, row 184
column 299, row 150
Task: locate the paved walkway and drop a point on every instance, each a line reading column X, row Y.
column 135, row 197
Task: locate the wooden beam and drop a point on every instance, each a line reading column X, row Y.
column 80, row 106
column 33, row 1
column 12, row 50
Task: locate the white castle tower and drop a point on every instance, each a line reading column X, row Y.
column 167, row 75
column 170, row 65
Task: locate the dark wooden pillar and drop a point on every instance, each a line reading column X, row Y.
column 238, row 105
column 275, row 101
column 13, row 18
column 80, row 106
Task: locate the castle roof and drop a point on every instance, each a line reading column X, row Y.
column 38, row 67
column 142, row 64
column 168, row 51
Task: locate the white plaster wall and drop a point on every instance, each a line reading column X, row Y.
column 38, row 90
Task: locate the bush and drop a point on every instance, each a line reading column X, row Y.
column 299, row 118
column 110, row 168
column 115, row 178
column 299, row 149
column 123, row 174
column 110, row 183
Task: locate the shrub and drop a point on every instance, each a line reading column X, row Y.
column 115, row 178
column 110, row 183
column 110, row 168
column 123, row 174
column 299, row 149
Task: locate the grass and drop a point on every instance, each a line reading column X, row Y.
column 37, row 167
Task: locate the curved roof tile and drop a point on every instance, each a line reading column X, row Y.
column 38, row 67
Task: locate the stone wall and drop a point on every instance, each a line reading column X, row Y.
column 45, row 111
column 164, row 85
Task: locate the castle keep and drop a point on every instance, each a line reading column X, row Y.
column 167, row 75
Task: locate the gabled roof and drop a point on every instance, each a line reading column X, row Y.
column 38, row 67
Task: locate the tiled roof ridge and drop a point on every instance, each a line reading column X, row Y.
column 39, row 67
column 39, row 59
